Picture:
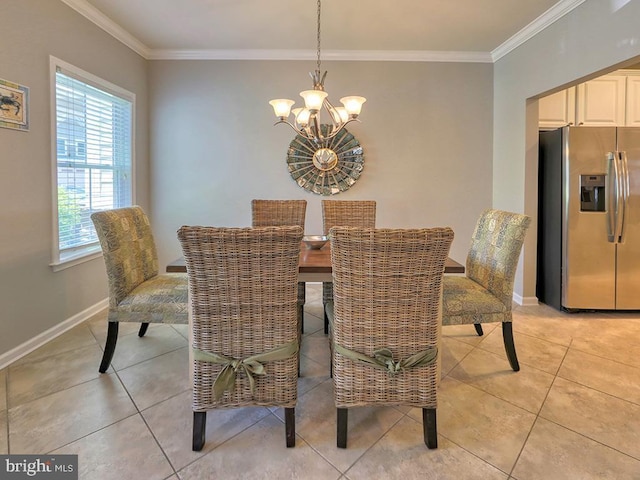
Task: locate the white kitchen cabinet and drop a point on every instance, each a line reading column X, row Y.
column 610, row 100
column 602, row 101
column 557, row 110
column 633, row 101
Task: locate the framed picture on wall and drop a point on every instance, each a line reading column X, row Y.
column 14, row 105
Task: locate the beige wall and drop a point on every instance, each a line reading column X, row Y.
column 440, row 145
column 33, row 298
column 426, row 133
column 596, row 37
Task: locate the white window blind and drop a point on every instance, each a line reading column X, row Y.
column 93, row 130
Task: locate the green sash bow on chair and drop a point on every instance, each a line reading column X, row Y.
column 226, row 379
column 383, row 358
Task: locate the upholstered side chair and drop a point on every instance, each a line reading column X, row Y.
column 137, row 292
column 276, row 213
column 344, row 213
column 242, row 284
column 485, row 293
column 385, row 320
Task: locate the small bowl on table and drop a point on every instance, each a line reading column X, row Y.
column 315, row 242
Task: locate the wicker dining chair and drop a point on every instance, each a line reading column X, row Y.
column 276, row 213
column 485, row 293
column 137, row 292
column 242, row 285
column 344, row 213
column 385, row 320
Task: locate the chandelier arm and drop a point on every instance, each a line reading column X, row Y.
column 309, row 133
column 296, row 129
column 333, row 114
column 314, row 133
column 317, row 131
column 341, row 127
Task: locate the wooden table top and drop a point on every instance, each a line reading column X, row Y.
column 316, row 261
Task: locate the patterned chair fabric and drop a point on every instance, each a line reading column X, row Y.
column 137, row 293
column 344, row 213
column 485, row 293
column 242, row 285
column 386, row 319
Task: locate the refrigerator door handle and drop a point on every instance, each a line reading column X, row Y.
column 624, row 184
column 612, row 196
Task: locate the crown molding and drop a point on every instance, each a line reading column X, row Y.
column 101, row 20
column 335, row 55
column 554, row 13
column 559, row 10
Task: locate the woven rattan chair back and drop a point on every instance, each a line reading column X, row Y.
column 348, row 213
column 242, row 284
column 274, row 213
column 387, row 295
column 344, row 213
column 137, row 293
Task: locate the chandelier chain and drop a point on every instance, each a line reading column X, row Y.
column 307, row 121
column 318, row 35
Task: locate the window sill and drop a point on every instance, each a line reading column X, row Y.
column 68, row 261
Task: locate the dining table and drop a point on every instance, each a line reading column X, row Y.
column 314, row 265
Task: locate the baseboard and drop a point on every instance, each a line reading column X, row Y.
column 525, row 301
column 48, row 335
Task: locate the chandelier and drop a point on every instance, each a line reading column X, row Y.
column 307, row 120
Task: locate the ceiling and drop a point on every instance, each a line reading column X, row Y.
column 365, row 29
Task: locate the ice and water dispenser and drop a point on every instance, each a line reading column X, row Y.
column 592, row 193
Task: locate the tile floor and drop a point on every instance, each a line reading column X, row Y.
column 572, row 412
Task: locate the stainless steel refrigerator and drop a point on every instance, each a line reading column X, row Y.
column 589, row 218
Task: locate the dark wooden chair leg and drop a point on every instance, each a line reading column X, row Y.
column 326, row 321
column 301, row 317
column 290, row 426
column 199, row 426
column 330, row 358
column 109, row 346
column 429, row 427
column 326, row 298
column 143, row 329
column 509, row 346
column 342, row 427
column 299, row 353
column 478, row 329
column 302, row 298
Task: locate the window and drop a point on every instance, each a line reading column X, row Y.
column 93, row 145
